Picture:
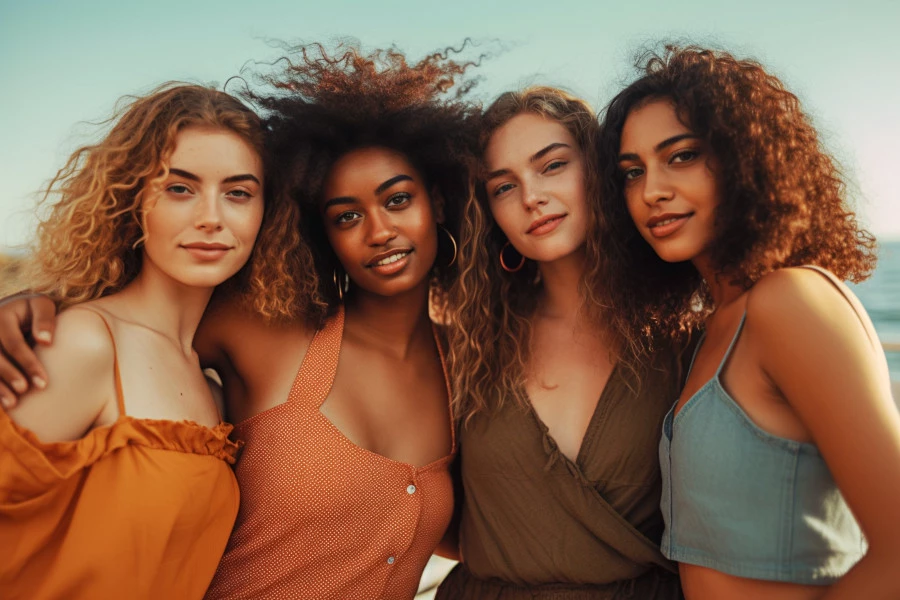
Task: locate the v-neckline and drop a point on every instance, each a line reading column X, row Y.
column 593, row 423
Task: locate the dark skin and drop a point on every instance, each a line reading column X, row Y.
column 390, row 393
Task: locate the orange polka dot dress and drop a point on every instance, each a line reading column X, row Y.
column 320, row 517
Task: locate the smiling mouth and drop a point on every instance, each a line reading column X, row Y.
column 545, row 224
column 389, row 259
column 665, row 225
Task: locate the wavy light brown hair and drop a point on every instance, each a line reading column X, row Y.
column 491, row 308
column 783, row 199
column 88, row 246
column 323, row 103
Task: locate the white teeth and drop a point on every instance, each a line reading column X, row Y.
column 391, row 259
column 666, row 222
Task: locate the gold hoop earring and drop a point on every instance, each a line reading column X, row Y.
column 503, row 264
column 452, row 241
column 343, row 287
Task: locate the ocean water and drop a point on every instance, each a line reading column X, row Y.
column 880, row 294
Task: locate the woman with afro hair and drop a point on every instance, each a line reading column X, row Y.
column 344, row 411
column 781, row 456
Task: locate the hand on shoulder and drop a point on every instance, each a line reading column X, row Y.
column 80, row 365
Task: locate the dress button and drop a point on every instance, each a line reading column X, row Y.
column 410, row 489
column 390, row 560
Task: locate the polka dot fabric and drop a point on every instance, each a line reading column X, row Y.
column 321, row 517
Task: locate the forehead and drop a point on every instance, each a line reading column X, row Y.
column 516, row 141
column 367, row 168
column 205, row 148
column 650, row 123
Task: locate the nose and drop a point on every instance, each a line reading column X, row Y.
column 533, row 196
column 656, row 186
column 380, row 229
column 208, row 215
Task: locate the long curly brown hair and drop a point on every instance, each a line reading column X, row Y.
column 88, row 246
column 491, row 308
column 783, row 199
column 323, row 103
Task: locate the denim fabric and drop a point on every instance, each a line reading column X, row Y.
column 745, row 502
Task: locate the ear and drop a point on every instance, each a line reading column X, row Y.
column 437, row 204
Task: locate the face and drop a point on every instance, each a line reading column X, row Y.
column 670, row 186
column 202, row 221
column 536, row 187
column 380, row 221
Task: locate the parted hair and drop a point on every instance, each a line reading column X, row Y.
column 88, row 244
column 783, row 199
column 492, row 308
column 322, row 103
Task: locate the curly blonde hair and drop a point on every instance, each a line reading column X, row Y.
column 88, row 244
column 491, row 308
column 783, row 198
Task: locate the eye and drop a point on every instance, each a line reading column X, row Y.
column 632, row 173
column 239, row 195
column 347, row 216
column 178, row 189
column 555, row 165
column 502, row 189
column 398, row 199
column 683, row 156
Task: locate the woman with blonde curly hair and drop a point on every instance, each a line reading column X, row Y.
column 559, row 422
column 781, row 456
column 114, row 473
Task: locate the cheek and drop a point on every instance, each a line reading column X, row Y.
column 503, row 216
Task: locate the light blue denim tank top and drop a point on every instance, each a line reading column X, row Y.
column 740, row 500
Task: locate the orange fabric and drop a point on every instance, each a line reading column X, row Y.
column 321, row 517
column 137, row 509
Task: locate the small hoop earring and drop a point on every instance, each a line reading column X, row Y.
column 452, row 241
column 503, row 264
column 343, row 287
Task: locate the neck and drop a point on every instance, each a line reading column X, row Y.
column 723, row 292
column 393, row 324
column 561, row 298
column 154, row 300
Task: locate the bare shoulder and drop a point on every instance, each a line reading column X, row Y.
column 800, row 299
column 80, row 365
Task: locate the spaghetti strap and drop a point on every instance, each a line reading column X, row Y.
column 317, row 371
column 853, row 304
column 120, row 396
column 734, row 340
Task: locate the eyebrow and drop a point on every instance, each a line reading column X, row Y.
column 232, row 179
column 662, row 145
column 536, row 156
column 351, row 200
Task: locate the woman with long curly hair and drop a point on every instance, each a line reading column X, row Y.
column 781, row 456
column 559, row 423
column 114, row 472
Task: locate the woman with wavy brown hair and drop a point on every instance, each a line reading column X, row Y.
column 559, row 422
column 781, row 456
column 114, row 471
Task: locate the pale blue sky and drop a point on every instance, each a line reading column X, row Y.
column 66, row 63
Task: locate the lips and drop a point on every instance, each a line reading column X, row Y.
column 390, row 262
column 207, row 251
column 667, row 224
column 545, row 224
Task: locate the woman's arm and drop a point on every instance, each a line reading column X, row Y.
column 80, row 365
column 819, row 354
column 19, row 365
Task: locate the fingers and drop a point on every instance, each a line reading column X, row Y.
column 43, row 318
column 8, row 375
column 19, row 366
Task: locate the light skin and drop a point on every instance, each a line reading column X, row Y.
column 201, row 223
column 803, row 353
column 536, row 187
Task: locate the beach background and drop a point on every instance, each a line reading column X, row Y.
column 880, row 294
